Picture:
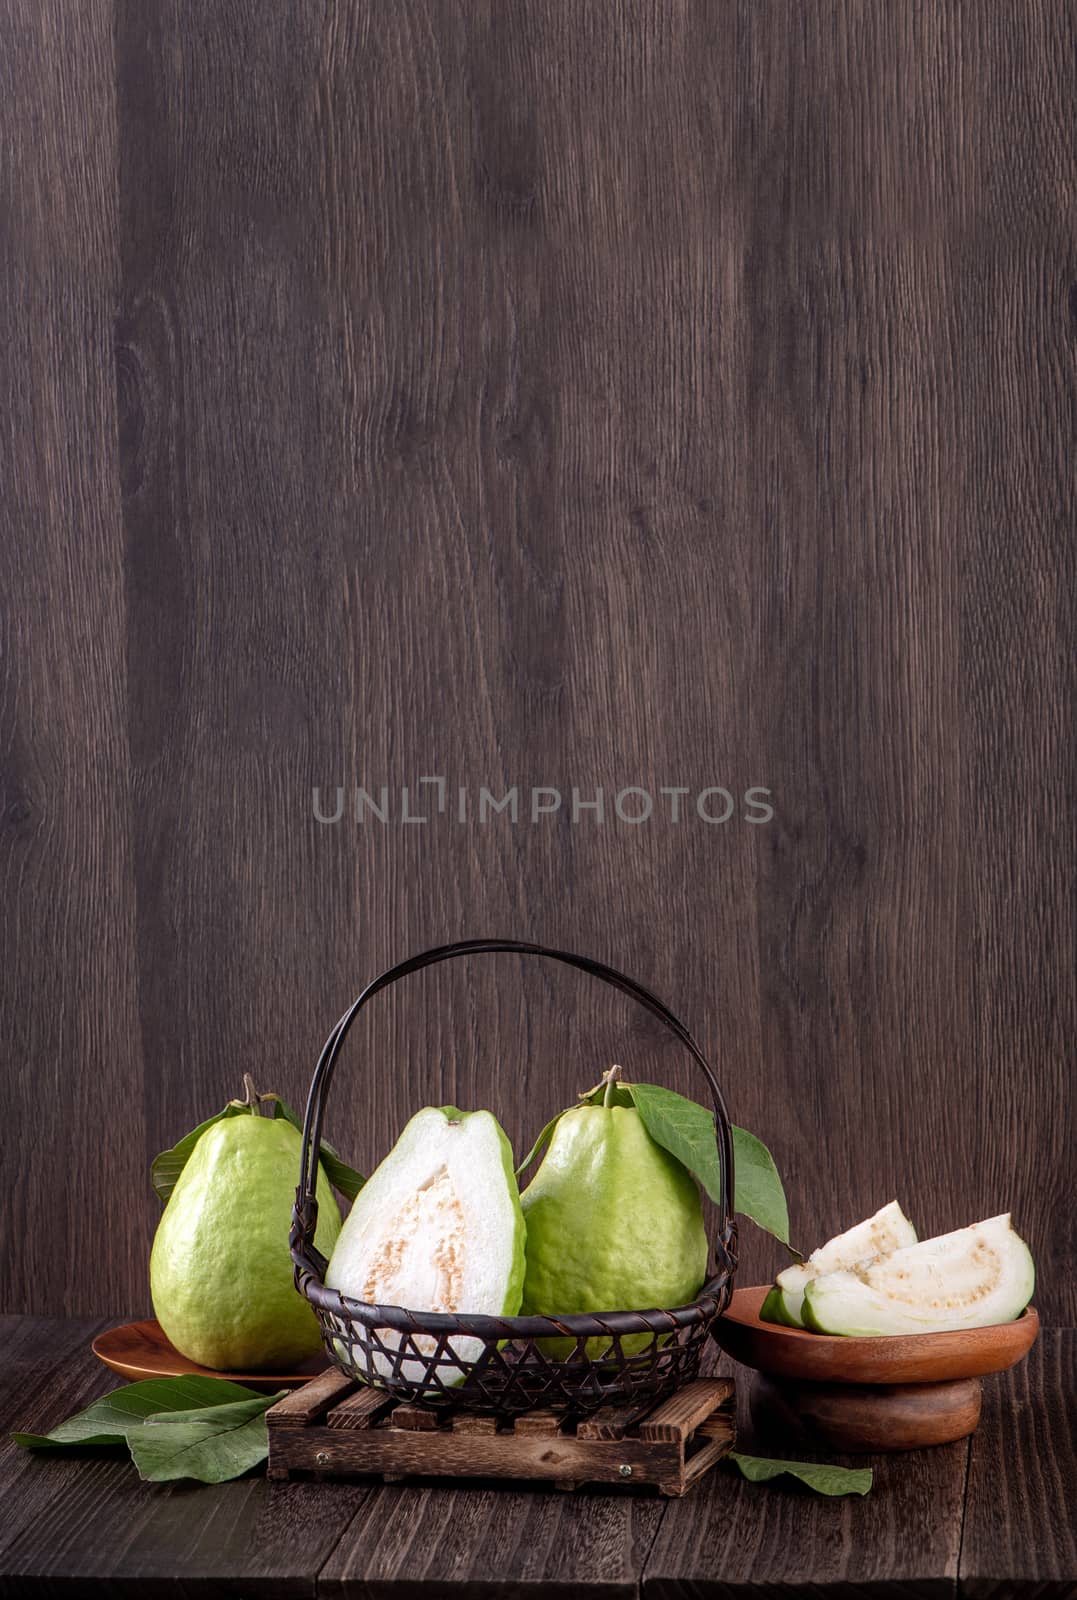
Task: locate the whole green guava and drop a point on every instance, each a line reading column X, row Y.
column 220, row 1268
column 614, row 1223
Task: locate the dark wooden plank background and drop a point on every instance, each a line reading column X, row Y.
column 538, row 394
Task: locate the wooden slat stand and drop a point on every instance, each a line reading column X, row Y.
column 337, row 1427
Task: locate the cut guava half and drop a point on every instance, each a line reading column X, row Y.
column 889, row 1229
column 972, row 1278
column 437, row 1227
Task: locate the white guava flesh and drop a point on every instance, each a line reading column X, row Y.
column 437, row 1227
column 972, row 1278
column 889, row 1229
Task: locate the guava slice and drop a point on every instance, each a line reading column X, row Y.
column 773, row 1309
column 437, row 1227
column 972, row 1278
column 889, row 1229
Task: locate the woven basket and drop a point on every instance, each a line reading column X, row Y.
column 618, row 1357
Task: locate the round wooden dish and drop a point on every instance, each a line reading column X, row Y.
column 140, row 1350
column 897, row 1393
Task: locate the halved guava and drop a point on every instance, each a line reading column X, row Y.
column 889, row 1229
column 971, row 1278
column 437, row 1227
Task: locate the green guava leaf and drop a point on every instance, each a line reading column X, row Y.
column 187, row 1427
column 822, row 1479
column 210, row 1445
column 112, row 1418
column 540, row 1144
column 683, row 1128
column 166, row 1167
column 687, row 1131
column 759, row 1191
column 340, row 1175
column 222, row 1416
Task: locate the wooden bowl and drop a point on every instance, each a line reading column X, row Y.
column 140, row 1350
column 895, row 1393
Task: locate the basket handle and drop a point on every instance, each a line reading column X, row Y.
column 306, row 1207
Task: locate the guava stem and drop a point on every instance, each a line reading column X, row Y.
column 611, row 1083
column 251, row 1097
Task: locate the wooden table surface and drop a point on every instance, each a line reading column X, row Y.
column 994, row 1517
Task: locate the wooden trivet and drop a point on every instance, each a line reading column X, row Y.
column 335, row 1427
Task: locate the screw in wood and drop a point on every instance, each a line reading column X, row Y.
column 322, row 1458
column 625, row 1470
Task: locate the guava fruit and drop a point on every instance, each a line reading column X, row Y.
column 614, row 1223
column 220, row 1268
column 437, row 1227
column 972, row 1278
column 889, row 1229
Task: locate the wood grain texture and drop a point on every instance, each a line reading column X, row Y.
column 73, row 1190
column 1022, row 1491
column 538, row 395
column 44, row 1377
column 136, row 1350
column 236, row 588
column 440, row 1453
column 677, row 1418
column 87, row 1525
column 672, row 1445
column 864, row 1418
column 729, row 1538
column 493, row 1542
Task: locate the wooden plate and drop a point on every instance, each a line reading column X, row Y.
column 901, row 1358
column 140, row 1350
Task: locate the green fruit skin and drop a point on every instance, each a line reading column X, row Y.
column 773, row 1309
column 220, row 1268
column 514, row 1287
column 792, row 1307
column 810, row 1322
column 614, row 1223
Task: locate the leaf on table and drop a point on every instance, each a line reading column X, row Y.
column 222, row 1416
column 166, row 1167
column 211, row 1445
column 340, row 1175
column 111, row 1419
column 759, row 1191
column 821, row 1479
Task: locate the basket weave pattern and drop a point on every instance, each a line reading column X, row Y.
column 504, row 1365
